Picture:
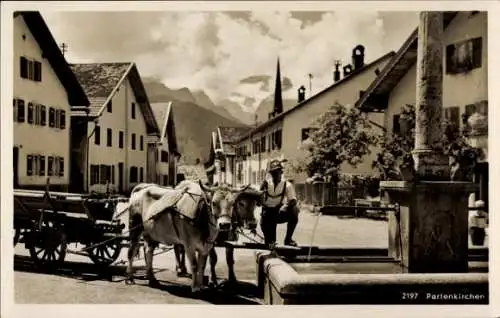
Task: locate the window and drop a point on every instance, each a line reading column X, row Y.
column 52, row 117
column 29, row 165
column 30, row 113
column 113, row 174
column 164, row 156
column 396, row 128
column 94, row 174
column 97, row 135
column 277, row 139
column 43, row 115
column 109, row 107
column 133, row 174
column 263, row 144
column 141, row 174
column 120, row 139
column 133, row 141
column 41, row 165
column 464, row 56
column 62, row 119
column 20, row 111
column 141, row 142
column 50, row 166
column 133, row 111
column 57, row 114
column 306, row 133
column 165, row 179
column 109, row 137
column 30, row 69
column 103, row 174
column 452, row 116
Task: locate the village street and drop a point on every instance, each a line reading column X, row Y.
column 78, row 281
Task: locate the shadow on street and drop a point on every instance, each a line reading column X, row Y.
column 240, row 293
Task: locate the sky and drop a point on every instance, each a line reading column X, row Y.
column 214, row 50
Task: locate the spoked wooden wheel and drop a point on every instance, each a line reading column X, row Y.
column 17, row 235
column 47, row 244
column 105, row 254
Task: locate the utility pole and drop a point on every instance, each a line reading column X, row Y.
column 310, row 84
column 64, row 48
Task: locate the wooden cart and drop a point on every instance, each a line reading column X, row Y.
column 47, row 222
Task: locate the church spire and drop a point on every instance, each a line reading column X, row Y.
column 278, row 99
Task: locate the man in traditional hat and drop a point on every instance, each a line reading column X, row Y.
column 279, row 205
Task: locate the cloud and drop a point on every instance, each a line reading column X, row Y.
column 213, row 51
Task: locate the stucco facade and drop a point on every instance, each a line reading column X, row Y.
column 285, row 131
column 459, row 90
column 41, row 109
column 131, row 153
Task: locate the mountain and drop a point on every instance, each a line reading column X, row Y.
column 267, row 105
column 202, row 99
column 194, row 123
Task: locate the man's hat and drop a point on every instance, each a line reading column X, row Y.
column 275, row 165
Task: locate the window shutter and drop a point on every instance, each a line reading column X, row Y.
column 43, row 115
column 120, row 139
column 38, row 71
column 42, row 165
column 61, row 166
column 30, row 113
column 142, row 142
column 50, row 166
column 31, row 70
column 52, row 119
column 141, row 175
column 133, row 141
column 113, row 174
column 24, row 67
column 20, row 110
column 109, row 137
column 477, row 47
column 133, row 111
column 37, row 114
column 29, row 165
column 62, row 120
column 97, row 135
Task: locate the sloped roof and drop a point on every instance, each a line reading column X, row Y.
column 376, row 95
column 328, row 89
column 164, row 117
column 101, row 81
column 40, row 31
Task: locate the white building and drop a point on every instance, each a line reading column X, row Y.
column 122, row 132
column 168, row 153
column 45, row 91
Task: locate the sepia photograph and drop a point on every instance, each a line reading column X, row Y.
column 246, row 155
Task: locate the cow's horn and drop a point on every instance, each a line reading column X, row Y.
column 205, row 188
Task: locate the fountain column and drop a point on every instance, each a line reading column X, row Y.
column 429, row 230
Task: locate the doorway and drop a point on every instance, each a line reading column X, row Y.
column 120, row 177
column 16, row 166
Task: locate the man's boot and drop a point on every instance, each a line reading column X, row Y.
column 290, row 228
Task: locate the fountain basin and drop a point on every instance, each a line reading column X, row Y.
column 378, row 281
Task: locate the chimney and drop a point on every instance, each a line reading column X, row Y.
column 302, row 94
column 377, row 71
column 336, row 73
column 278, row 100
column 347, row 69
column 270, row 115
column 358, row 57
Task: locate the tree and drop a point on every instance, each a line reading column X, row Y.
column 395, row 157
column 342, row 135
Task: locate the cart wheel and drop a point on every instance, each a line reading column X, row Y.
column 105, row 254
column 47, row 244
